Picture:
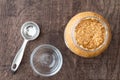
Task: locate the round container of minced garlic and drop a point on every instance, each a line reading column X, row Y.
column 87, row 34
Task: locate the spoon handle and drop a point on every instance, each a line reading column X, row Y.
column 18, row 58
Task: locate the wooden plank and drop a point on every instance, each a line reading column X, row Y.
column 52, row 16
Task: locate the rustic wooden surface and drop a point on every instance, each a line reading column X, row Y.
column 52, row 16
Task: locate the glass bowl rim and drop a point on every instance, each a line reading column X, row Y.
column 57, row 69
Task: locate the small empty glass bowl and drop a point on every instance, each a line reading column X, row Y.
column 46, row 60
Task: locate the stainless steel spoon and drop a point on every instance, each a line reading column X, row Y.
column 29, row 31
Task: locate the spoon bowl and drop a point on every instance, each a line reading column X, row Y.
column 30, row 30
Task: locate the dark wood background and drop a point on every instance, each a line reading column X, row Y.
column 52, row 16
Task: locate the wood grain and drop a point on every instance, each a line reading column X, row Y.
column 52, row 16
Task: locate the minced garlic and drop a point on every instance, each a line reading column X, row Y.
column 90, row 33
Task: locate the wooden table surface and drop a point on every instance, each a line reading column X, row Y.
column 52, row 16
